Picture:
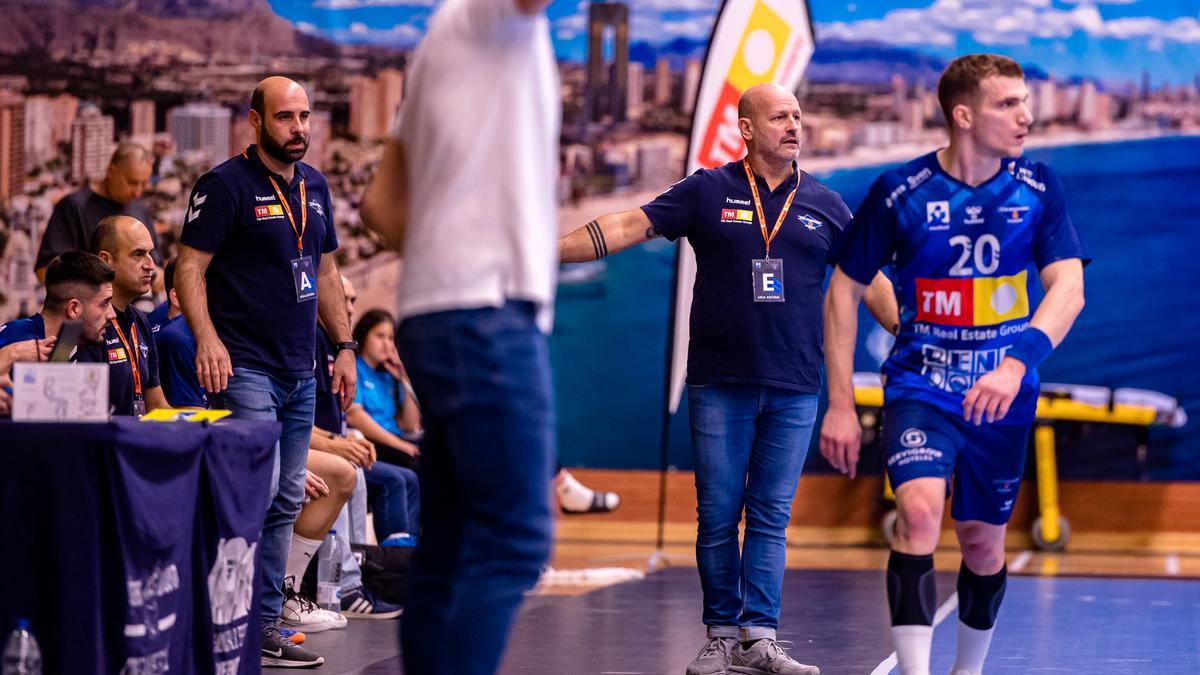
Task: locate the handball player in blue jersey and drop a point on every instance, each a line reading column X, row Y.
column 969, row 229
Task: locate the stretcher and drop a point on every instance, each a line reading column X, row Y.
column 1073, row 403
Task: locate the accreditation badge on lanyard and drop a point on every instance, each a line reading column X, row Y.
column 133, row 349
column 303, row 275
column 767, row 273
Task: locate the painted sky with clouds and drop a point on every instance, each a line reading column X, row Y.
column 1113, row 40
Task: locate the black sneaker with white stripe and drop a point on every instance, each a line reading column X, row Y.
column 280, row 652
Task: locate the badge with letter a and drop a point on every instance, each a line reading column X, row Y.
column 304, row 278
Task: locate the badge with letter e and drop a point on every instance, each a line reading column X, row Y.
column 768, row 280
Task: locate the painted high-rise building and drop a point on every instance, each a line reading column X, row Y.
column 608, row 84
column 12, row 145
column 92, row 144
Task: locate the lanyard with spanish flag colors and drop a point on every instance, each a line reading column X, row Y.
column 287, row 208
column 133, row 353
column 762, row 220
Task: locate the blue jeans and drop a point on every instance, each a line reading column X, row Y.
column 255, row 395
column 749, row 444
column 483, row 379
column 395, row 499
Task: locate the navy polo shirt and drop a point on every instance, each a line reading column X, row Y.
column 121, row 387
column 733, row 338
column 177, row 364
column 235, row 214
column 328, row 413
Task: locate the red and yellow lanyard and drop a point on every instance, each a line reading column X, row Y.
column 287, row 208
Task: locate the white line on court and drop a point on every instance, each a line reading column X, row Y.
column 944, row 611
column 1020, row 561
column 1173, row 564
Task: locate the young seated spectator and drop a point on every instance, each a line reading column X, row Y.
column 387, row 412
column 78, row 288
column 177, row 352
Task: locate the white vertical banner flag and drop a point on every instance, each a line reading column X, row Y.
column 753, row 41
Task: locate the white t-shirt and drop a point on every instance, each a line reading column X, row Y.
column 480, row 127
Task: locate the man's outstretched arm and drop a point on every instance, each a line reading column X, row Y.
column 606, row 235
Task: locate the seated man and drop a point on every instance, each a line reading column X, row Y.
column 79, row 287
column 177, row 352
column 125, row 244
column 331, row 481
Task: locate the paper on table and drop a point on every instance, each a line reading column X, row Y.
column 60, row 392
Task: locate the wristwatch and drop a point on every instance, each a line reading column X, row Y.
column 351, row 345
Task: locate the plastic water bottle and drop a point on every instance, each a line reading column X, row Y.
column 329, row 573
column 21, row 654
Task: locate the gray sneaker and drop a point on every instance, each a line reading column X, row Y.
column 280, row 652
column 714, row 658
column 767, row 657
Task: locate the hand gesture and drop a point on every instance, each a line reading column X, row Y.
column 213, row 367
column 841, row 439
column 314, row 486
column 345, row 378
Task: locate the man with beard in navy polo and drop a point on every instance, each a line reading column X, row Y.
column 255, row 269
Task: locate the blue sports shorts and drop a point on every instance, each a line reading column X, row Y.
column 981, row 464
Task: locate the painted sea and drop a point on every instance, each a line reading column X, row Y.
column 1136, row 205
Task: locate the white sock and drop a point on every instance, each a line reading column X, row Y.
column 972, row 650
column 573, row 495
column 299, row 555
column 912, row 648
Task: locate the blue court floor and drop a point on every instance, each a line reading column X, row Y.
column 837, row 621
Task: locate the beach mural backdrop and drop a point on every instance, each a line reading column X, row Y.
column 1114, row 89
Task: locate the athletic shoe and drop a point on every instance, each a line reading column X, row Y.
column 360, row 604
column 714, row 658
column 767, row 657
column 575, row 497
column 279, row 652
column 300, row 612
column 295, row 636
